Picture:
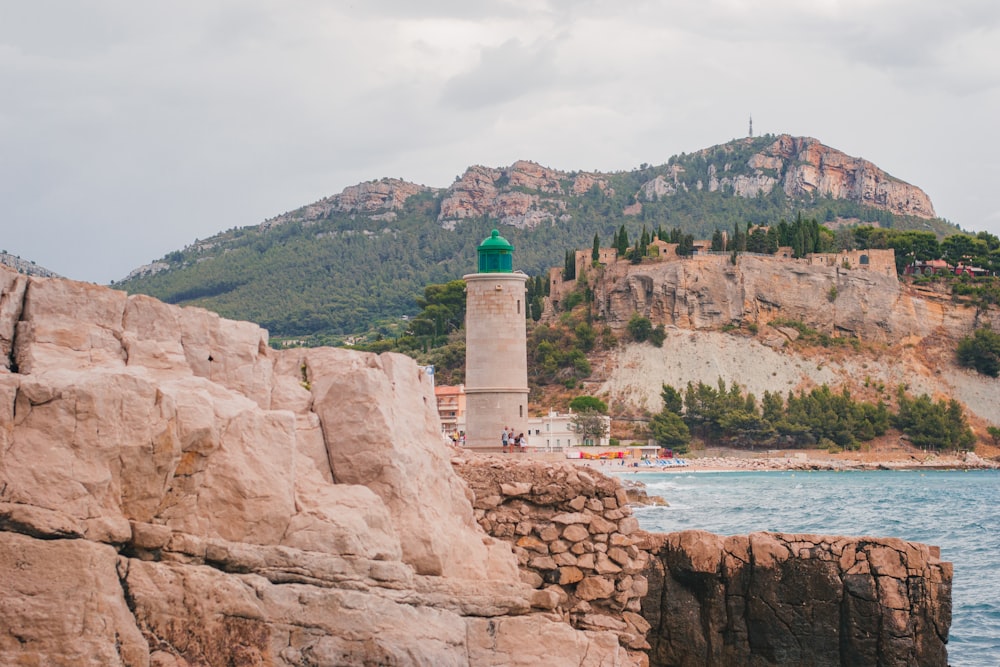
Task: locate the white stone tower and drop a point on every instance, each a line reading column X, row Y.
column 496, row 351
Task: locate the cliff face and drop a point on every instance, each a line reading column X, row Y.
column 523, row 195
column 709, row 292
column 796, row 600
column 915, row 331
column 804, row 167
column 175, row 493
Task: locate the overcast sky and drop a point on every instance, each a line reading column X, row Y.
column 130, row 129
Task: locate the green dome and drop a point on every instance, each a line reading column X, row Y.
column 496, row 254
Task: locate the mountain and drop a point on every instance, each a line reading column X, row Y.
column 355, row 261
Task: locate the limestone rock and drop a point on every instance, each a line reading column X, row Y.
column 796, row 599
column 370, row 406
column 382, row 197
column 63, row 605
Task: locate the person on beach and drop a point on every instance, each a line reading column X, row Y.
column 504, row 439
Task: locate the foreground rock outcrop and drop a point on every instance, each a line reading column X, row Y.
column 175, row 493
column 693, row 598
column 773, row 599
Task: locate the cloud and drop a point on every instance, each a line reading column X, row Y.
column 129, row 129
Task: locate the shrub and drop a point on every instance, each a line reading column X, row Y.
column 981, row 351
column 639, row 328
column 658, row 335
column 582, row 403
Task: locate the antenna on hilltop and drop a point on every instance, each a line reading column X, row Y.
column 751, row 125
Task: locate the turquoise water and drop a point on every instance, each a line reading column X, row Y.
column 956, row 510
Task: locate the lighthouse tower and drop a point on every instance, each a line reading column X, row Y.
column 496, row 353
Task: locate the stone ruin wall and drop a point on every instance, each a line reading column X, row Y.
column 574, row 537
column 692, row 598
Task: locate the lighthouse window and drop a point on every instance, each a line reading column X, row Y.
column 520, row 411
column 518, row 306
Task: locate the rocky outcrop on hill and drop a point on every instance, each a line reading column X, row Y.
column 378, row 199
column 26, row 267
column 174, row 493
column 804, row 167
column 526, row 194
column 523, row 195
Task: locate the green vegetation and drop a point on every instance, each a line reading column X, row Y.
column 668, row 427
column 934, row 425
column 726, row 415
column 319, row 277
column 591, row 403
column 639, row 328
column 591, row 425
column 820, row 417
column 981, row 351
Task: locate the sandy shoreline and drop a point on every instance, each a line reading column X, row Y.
column 800, row 462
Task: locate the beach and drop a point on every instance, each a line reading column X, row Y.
column 720, row 460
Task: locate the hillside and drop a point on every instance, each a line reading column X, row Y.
column 351, row 262
column 776, row 324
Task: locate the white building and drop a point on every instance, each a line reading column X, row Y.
column 554, row 432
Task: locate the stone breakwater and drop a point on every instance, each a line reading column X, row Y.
column 174, row 493
column 694, row 598
column 776, row 599
column 574, row 536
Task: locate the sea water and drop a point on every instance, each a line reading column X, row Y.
column 958, row 511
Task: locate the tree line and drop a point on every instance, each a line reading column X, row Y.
column 819, row 417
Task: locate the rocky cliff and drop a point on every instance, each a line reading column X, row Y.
column 175, row 493
column 910, row 334
column 804, row 167
column 835, row 297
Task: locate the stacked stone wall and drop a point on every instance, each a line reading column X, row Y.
column 574, row 536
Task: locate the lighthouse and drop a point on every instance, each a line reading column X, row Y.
column 496, row 352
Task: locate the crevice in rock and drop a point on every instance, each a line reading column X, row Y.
column 18, row 316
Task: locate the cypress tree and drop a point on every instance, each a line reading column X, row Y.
column 622, row 241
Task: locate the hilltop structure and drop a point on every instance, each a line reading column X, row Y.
column 496, row 358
